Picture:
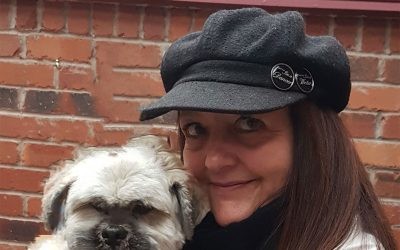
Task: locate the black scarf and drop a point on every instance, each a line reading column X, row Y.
column 258, row 232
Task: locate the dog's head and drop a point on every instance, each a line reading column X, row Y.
column 137, row 197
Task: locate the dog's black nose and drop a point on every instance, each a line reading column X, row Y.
column 113, row 234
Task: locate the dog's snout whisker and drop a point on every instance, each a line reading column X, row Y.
column 113, row 234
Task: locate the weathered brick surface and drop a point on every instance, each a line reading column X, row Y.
column 34, row 207
column 26, row 15
column 180, row 23
column 22, row 180
column 10, row 45
column 53, row 16
column 40, row 155
column 103, row 19
column 154, row 23
column 8, row 152
column 27, row 230
column 346, row 31
column 34, row 75
column 360, row 125
column 387, row 184
column 8, row 98
column 379, row 153
column 62, row 48
column 12, row 205
column 392, row 71
column 128, row 21
column 4, row 14
column 391, row 126
column 78, row 18
column 317, row 25
column 373, row 39
column 375, row 98
column 109, row 53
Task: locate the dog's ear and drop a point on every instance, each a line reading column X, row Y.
column 185, row 211
column 54, row 197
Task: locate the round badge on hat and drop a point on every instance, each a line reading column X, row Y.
column 282, row 76
column 304, row 80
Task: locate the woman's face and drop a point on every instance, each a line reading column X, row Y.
column 242, row 160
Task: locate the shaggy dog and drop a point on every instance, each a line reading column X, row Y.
column 134, row 197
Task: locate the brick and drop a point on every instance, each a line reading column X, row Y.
column 128, row 21
column 26, row 15
column 110, row 137
column 5, row 7
column 317, row 25
column 346, row 30
column 180, row 23
column 10, row 45
column 53, row 16
column 75, row 78
column 392, row 71
column 127, row 55
column 120, row 111
column 387, row 184
column 40, row 155
column 58, row 47
column 34, row 207
column 375, row 153
column 41, row 101
column 22, row 180
column 154, row 23
column 78, row 18
column 359, row 125
column 45, row 129
column 13, row 207
column 391, row 127
column 77, row 104
column 8, row 98
column 103, row 19
column 32, row 75
column 17, row 230
column 392, row 213
column 11, row 246
column 395, row 36
column 138, row 84
column 200, row 17
column 375, row 98
column 8, row 152
column 363, row 68
column 373, row 39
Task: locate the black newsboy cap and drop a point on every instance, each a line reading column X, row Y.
column 249, row 61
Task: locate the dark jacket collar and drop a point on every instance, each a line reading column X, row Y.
column 259, row 231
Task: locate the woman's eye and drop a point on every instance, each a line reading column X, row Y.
column 249, row 124
column 193, row 130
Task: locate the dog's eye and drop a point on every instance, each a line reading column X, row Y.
column 141, row 208
column 99, row 208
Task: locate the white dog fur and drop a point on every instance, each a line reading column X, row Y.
column 140, row 189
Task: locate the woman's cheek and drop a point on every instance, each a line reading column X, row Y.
column 193, row 163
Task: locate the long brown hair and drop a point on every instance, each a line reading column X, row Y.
column 328, row 187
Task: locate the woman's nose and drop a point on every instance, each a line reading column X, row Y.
column 220, row 154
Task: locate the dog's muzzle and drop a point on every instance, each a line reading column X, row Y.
column 113, row 235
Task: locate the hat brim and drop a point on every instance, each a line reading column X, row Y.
column 221, row 98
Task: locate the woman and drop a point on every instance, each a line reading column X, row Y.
column 258, row 104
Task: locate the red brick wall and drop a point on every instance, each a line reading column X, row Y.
column 74, row 75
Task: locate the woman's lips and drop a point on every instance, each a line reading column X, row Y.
column 230, row 184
